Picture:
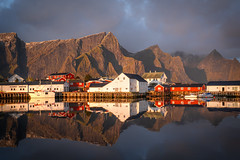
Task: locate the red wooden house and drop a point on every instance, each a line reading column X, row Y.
column 187, row 88
column 162, row 88
column 186, row 102
column 61, row 76
column 76, row 85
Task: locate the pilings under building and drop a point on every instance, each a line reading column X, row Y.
column 14, row 95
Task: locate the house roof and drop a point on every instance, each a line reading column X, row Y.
column 188, row 85
column 135, row 76
column 60, row 78
column 31, row 83
column 223, row 83
column 16, row 76
column 97, row 84
column 164, row 85
column 75, row 80
column 56, row 74
column 153, row 75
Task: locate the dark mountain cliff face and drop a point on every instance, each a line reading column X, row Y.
column 13, row 55
column 102, row 55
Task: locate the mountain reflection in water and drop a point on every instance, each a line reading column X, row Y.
column 134, row 130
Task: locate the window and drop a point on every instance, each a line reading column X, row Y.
column 126, row 88
column 181, row 88
column 123, row 78
column 118, row 78
column 188, row 88
column 172, row 88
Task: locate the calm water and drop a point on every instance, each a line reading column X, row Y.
column 160, row 129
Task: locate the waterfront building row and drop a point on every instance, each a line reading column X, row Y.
column 23, row 87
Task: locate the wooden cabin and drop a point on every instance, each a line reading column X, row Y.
column 183, row 89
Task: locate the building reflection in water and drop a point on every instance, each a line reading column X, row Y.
column 101, row 122
column 34, row 105
column 223, row 104
column 122, row 110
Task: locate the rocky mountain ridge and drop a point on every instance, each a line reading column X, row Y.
column 102, row 55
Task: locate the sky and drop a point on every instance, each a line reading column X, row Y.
column 190, row 26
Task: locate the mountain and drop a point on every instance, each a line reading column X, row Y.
column 13, row 55
column 102, row 129
column 217, row 68
column 154, row 59
column 102, row 55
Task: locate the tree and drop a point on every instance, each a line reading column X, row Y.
column 87, row 77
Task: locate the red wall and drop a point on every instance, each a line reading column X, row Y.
column 183, row 89
column 186, row 102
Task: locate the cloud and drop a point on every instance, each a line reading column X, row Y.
column 40, row 20
column 191, row 26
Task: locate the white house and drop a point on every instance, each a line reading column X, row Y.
column 48, row 86
column 15, row 78
column 122, row 110
column 155, row 77
column 223, row 104
column 31, row 86
column 123, row 83
column 223, row 86
column 36, row 105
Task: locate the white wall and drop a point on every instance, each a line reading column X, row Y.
column 122, row 84
column 50, row 87
column 226, row 88
column 14, row 88
column 162, row 79
column 223, row 104
column 30, row 88
column 47, row 105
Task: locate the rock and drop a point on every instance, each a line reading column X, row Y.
column 13, row 55
column 218, row 68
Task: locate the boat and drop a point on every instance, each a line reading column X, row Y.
column 205, row 95
column 42, row 94
column 190, row 96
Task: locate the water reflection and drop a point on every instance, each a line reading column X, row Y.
column 103, row 123
column 123, row 110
